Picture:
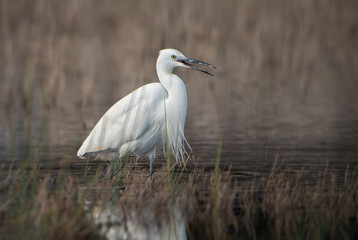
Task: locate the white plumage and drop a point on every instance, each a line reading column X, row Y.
column 148, row 117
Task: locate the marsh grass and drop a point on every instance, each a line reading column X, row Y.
column 287, row 203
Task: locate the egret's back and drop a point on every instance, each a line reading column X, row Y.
column 134, row 117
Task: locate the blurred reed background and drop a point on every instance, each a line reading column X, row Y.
column 283, row 105
column 286, row 70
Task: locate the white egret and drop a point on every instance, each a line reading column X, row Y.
column 151, row 116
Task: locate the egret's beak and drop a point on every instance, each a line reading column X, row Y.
column 190, row 63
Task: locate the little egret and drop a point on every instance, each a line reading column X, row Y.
column 151, row 116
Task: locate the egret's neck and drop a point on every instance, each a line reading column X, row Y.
column 175, row 87
column 176, row 102
column 164, row 74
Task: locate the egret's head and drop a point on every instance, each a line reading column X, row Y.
column 170, row 58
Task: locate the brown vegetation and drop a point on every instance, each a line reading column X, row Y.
column 282, row 204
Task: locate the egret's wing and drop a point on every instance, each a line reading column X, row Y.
column 126, row 120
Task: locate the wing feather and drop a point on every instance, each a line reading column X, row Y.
column 126, row 120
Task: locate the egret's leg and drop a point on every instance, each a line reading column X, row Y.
column 151, row 167
column 151, row 157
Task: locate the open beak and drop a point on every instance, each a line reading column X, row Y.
column 191, row 63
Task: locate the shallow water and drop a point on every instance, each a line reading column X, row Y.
column 250, row 147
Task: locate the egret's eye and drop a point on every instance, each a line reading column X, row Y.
column 174, row 57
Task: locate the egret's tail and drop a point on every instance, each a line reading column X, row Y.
column 82, row 150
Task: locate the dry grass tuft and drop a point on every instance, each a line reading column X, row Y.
column 283, row 204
